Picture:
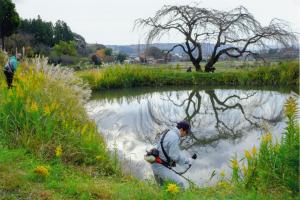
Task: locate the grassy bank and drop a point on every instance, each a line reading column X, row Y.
column 283, row 74
column 42, row 114
column 131, row 93
column 19, row 181
column 49, row 149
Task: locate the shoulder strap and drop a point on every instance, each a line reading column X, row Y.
column 162, row 146
column 8, row 67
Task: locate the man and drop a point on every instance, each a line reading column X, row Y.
column 10, row 68
column 170, row 153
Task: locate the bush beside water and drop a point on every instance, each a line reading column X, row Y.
column 276, row 164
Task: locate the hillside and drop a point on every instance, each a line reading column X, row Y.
column 134, row 49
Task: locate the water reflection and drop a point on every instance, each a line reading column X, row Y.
column 224, row 122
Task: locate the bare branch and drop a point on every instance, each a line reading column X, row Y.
column 237, row 30
column 174, row 47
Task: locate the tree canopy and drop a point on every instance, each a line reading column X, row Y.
column 47, row 33
column 155, row 52
column 43, row 31
column 9, row 19
column 120, row 57
column 62, row 32
column 65, row 48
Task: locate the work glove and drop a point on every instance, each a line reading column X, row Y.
column 194, row 156
column 188, row 161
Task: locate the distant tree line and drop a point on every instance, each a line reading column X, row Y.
column 56, row 41
column 105, row 55
column 39, row 36
column 36, row 35
column 45, row 32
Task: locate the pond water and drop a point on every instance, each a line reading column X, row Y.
column 225, row 122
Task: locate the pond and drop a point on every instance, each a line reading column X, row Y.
column 225, row 122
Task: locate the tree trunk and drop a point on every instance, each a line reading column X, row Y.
column 197, row 66
column 209, row 67
column 2, row 40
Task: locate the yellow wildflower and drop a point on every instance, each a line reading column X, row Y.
column 254, row 150
column 47, row 110
column 172, row 188
column 19, row 91
column 54, row 105
column 267, row 138
column 223, row 184
column 84, row 128
column 234, row 163
column 3, row 85
column 41, row 170
column 58, row 151
column 34, row 107
column 222, row 173
column 247, row 154
column 290, row 107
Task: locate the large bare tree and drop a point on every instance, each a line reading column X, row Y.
column 234, row 33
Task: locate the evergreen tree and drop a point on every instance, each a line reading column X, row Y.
column 9, row 19
column 43, row 31
column 62, row 32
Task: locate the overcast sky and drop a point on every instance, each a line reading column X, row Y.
column 111, row 21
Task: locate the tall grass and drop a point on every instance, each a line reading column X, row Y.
column 3, row 58
column 44, row 111
column 284, row 74
column 122, row 76
column 275, row 166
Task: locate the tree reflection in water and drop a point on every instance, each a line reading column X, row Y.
column 224, row 122
column 203, row 109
